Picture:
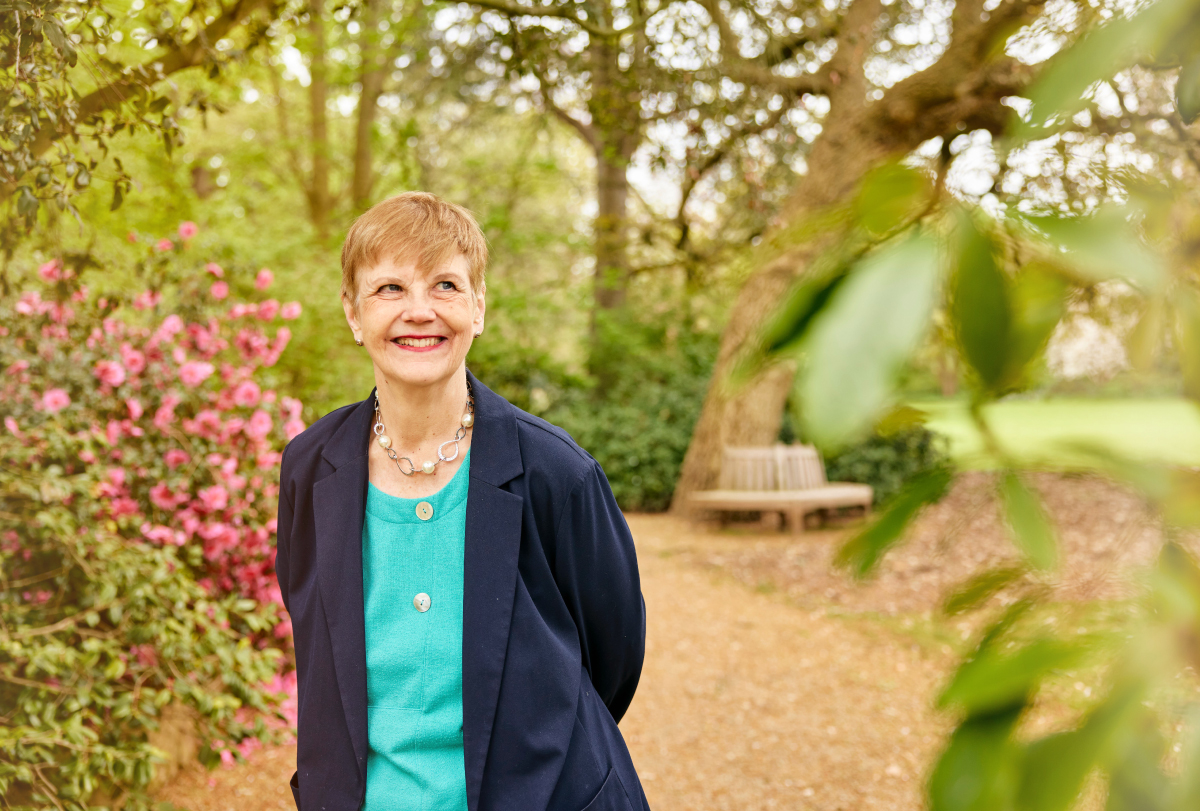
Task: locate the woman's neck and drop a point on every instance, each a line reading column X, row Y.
column 416, row 416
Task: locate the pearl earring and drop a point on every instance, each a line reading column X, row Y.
column 359, row 343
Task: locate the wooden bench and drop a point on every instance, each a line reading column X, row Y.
column 787, row 479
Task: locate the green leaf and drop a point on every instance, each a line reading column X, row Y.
column 1039, row 299
column 1101, row 247
column 978, row 770
column 1187, row 331
column 789, row 325
column 979, row 588
column 862, row 338
column 995, row 681
column 862, row 552
column 981, row 305
column 891, row 195
column 1100, row 54
column 27, row 204
column 1030, row 526
column 1187, row 91
column 118, row 197
column 1145, row 337
column 1055, row 767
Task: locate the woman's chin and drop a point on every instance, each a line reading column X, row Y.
column 420, row 373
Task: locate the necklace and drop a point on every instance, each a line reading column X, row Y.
column 429, row 466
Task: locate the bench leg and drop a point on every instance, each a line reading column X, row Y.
column 795, row 519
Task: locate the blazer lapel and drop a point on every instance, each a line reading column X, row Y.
column 339, row 503
column 493, row 541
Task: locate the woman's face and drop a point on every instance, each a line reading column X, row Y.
column 416, row 325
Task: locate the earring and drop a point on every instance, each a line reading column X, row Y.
column 360, row 343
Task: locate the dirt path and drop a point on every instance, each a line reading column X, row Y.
column 747, row 700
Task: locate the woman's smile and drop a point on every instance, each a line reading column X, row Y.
column 419, row 343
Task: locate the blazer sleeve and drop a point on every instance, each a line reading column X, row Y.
column 597, row 573
column 283, row 532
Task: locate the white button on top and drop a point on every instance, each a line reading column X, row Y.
column 422, row 602
column 424, row 511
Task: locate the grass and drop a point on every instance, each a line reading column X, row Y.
column 1051, row 432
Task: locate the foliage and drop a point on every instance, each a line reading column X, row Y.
column 137, row 509
column 888, row 461
column 634, row 412
column 74, row 74
column 1004, row 280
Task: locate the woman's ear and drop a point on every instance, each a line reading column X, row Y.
column 480, row 307
column 352, row 319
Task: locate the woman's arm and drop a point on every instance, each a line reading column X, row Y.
column 283, row 533
column 597, row 573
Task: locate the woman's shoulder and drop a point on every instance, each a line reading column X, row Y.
column 548, row 449
column 309, row 443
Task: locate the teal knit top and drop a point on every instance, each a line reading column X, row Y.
column 413, row 605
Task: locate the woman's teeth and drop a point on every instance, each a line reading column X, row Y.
column 418, row 341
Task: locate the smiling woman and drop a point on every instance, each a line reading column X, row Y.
column 463, row 589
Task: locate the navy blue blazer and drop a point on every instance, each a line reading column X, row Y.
column 554, row 624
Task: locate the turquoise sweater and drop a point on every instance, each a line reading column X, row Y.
column 414, row 657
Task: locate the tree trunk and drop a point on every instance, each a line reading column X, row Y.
column 613, row 105
column 840, row 157
column 319, row 203
column 371, row 79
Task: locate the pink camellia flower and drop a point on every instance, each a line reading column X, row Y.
column 55, row 400
column 135, row 361
column 12, row 426
column 87, row 457
column 214, row 498
column 268, row 309
column 195, row 372
column 110, row 372
column 162, row 497
column 171, row 326
column 264, row 279
column 187, row 229
column 164, row 244
column 247, row 394
column 215, row 269
column 219, row 290
column 259, row 425
column 147, row 300
column 132, row 237
column 51, row 271
column 293, row 428
column 135, row 408
column 175, row 457
column 291, row 311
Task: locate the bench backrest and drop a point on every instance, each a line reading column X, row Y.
column 779, row 467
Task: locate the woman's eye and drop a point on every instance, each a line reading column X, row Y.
column 449, row 285
column 390, row 288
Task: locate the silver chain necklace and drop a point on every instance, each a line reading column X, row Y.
column 428, row 467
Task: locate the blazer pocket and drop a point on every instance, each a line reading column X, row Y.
column 611, row 796
column 295, row 786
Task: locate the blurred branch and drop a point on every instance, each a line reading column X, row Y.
column 561, row 12
column 758, row 71
column 189, row 54
column 965, row 86
column 546, row 91
column 695, row 173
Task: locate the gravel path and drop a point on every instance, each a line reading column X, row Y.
column 746, row 700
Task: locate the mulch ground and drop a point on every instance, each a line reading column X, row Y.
column 774, row 681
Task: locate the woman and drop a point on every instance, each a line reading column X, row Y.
column 463, row 589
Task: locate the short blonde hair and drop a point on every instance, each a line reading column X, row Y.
column 413, row 227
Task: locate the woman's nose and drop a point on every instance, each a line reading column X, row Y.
column 420, row 308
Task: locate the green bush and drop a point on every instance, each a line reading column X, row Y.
column 141, row 438
column 633, row 410
column 888, row 461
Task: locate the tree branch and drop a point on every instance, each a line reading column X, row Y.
column 547, row 88
column 189, row 54
column 518, row 10
column 758, row 71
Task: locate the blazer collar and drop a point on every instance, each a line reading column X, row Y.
column 495, row 450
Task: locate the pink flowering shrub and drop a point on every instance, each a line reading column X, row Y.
column 141, row 436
